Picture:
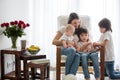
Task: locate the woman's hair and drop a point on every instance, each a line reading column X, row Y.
column 105, row 23
column 73, row 16
column 80, row 31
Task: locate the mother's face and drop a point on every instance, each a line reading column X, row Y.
column 76, row 23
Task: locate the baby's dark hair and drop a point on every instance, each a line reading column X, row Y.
column 80, row 31
column 105, row 23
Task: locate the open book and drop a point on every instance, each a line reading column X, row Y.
column 92, row 51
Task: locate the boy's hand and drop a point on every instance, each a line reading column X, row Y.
column 96, row 44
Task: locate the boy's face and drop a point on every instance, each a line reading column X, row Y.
column 102, row 30
column 84, row 37
column 69, row 32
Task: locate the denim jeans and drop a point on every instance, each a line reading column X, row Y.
column 72, row 61
column 94, row 58
column 109, row 65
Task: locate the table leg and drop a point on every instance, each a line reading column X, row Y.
column 2, row 66
column 33, row 73
column 17, row 67
column 26, row 77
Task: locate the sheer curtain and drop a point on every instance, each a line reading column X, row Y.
column 44, row 13
column 43, row 18
column 98, row 9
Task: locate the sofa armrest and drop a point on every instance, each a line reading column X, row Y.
column 58, row 55
column 102, row 61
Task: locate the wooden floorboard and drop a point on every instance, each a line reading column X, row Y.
column 79, row 75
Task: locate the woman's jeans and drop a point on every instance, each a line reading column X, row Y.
column 94, row 58
column 72, row 61
column 109, row 65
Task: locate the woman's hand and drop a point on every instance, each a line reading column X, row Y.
column 56, row 39
column 78, row 48
column 89, row 43
column 89, row 48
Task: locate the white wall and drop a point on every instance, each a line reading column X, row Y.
column 12, row 10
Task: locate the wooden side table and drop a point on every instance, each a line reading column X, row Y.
column 17, row 54
column 25, row 59
column 18, row 57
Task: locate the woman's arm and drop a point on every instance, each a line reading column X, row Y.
column 56, row 39
column 64, row 43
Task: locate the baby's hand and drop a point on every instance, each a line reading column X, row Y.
column 69, row 45
column 65, row 46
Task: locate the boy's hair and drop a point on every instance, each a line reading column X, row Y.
column 80, row 31
column 69, row 27
column 105, row 23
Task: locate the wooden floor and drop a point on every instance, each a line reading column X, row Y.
column 79, row 75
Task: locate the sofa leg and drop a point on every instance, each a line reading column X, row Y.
column 58, row 72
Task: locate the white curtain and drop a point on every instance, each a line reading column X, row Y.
column 44, row 15
column 98, row 9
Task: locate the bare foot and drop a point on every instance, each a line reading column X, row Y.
column 88, row 79
column 97, row 78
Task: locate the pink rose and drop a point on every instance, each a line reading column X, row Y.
column 12, row 23
column 7, row 24
column 24, row 26
column 2, row 25
column 19, row 25
column 21, row 22
column 16, row 22
column 27, row 24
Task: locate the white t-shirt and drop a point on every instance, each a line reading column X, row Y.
column 109, row 48
column 62, row 30
column 67, row 38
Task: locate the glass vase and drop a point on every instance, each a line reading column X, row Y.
column 14, row 40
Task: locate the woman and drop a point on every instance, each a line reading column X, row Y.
column 73, row 58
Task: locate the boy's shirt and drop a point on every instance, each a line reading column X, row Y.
column 109, row 48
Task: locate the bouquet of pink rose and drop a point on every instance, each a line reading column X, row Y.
column 13, row 30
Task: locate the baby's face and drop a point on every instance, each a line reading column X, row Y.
column 84, row 37
column 69, row 33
